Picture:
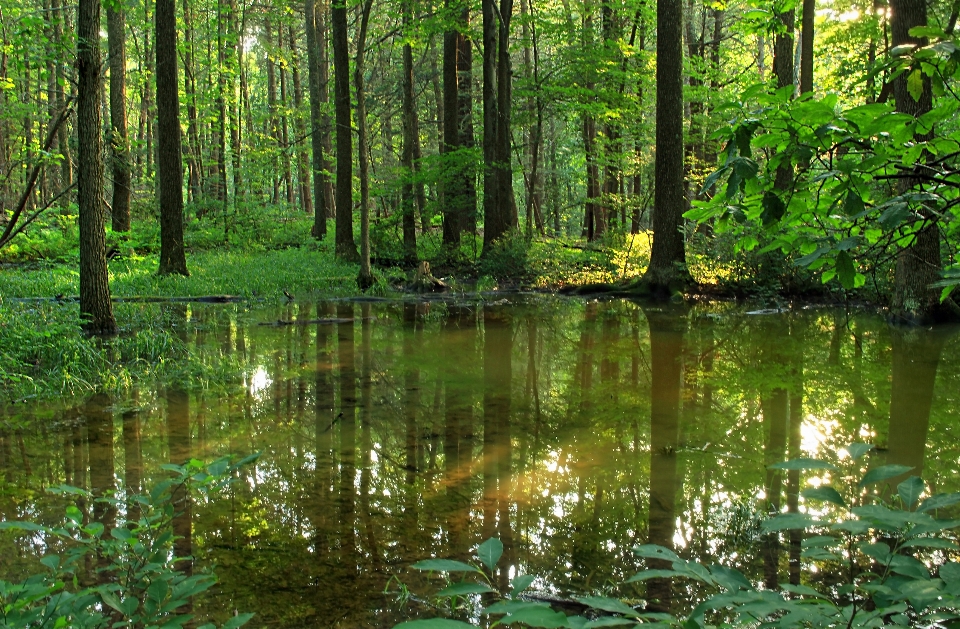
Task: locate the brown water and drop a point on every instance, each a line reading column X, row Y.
column 572, row 430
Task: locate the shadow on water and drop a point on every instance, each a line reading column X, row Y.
column 571, row 430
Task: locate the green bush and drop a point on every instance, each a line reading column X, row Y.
column 138, row 581
column 888, row 554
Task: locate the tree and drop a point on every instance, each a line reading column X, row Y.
column 667, row 271
column 411, row 141
column 920, row 262
column 96, row 309
column 499, row 206
column 345, row 246
column 365, row 278
column 116, row 37
column 169, row 161
column 317, row 102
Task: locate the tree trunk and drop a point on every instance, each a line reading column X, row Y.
column 317, row 103
column 667, row 271
column 410, row 139
column 365, row 278
column 806, row 45
column 118, row 118
column 345, row 247
column 303, row 173
column 920, row 263
column 96, row 309
column 194, row 166
column 169, row 165
column 467, row 178
column 452, row 218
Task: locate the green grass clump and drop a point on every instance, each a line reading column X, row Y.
column 43, row 353
column 265, row 274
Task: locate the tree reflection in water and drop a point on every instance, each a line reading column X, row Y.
column 572, row 430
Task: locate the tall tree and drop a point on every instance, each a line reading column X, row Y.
column 499, row 206
column 117, row 42
column 411, row 141
column 807, row 27
column 344, row 246
column 365, row 278
column 169, row 165
column 919, row 264
column 317, row 103
column 96, row 309
column 667, row 271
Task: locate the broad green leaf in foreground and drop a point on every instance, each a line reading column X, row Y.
column 490, row 552
column 463, row 588
column 882, row 473
column 434, row 623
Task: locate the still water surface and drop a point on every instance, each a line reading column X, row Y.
column 573, row 430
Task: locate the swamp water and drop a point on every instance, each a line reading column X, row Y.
column 572, row 430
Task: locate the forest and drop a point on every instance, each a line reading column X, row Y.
column 419, row 313
column 805, row 149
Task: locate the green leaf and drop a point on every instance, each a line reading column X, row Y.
column 609, row 621
column 434, row 623
column 910, row 490
column 909, row 567
column 537, row 617
column 882, row 473
column 857, row 450
column 463, row 588
column 845, row 270
column 950, row 572
column 490, row 552
column 929, row 542
column 915, row 84
column 878, row 551
column 511, row 607
column 444, row 565
column 712, row 179
column 825, row 493
column 788, row 521
column 938, row 501
column 893, row 215
column 237, row 621
column 51, row 561
column 611, row 605
column 519, row 584
column 773, row 208
column 853, row 204
column 110, row 598
column 653, row 551
column 729, row 578
column 121, row 533
column 802, row 463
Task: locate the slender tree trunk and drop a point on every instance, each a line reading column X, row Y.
column 806, row 45
column 194, row 166
column 118, row 118
column 170, row 167
column 410, row 140
column 467, row 176
column 303, row 173
column 284, row 122
column 273, row 123
column 63, row 133
column 345, row 246
column 317, row 103
column 96, row 309
column 365, row 278
column 452, row 218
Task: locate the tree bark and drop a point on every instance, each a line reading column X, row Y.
column 317, row 103
column 667, row 271
column 452, row 218
column 408, row 202
column 365, row 278
column 169, row 165
column 303, row 173
column 118, row 118
column 96, row 309
column 345, row 247
column 920, row 263
column 806, row 45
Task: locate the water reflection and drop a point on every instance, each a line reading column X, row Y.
column 572, row 430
